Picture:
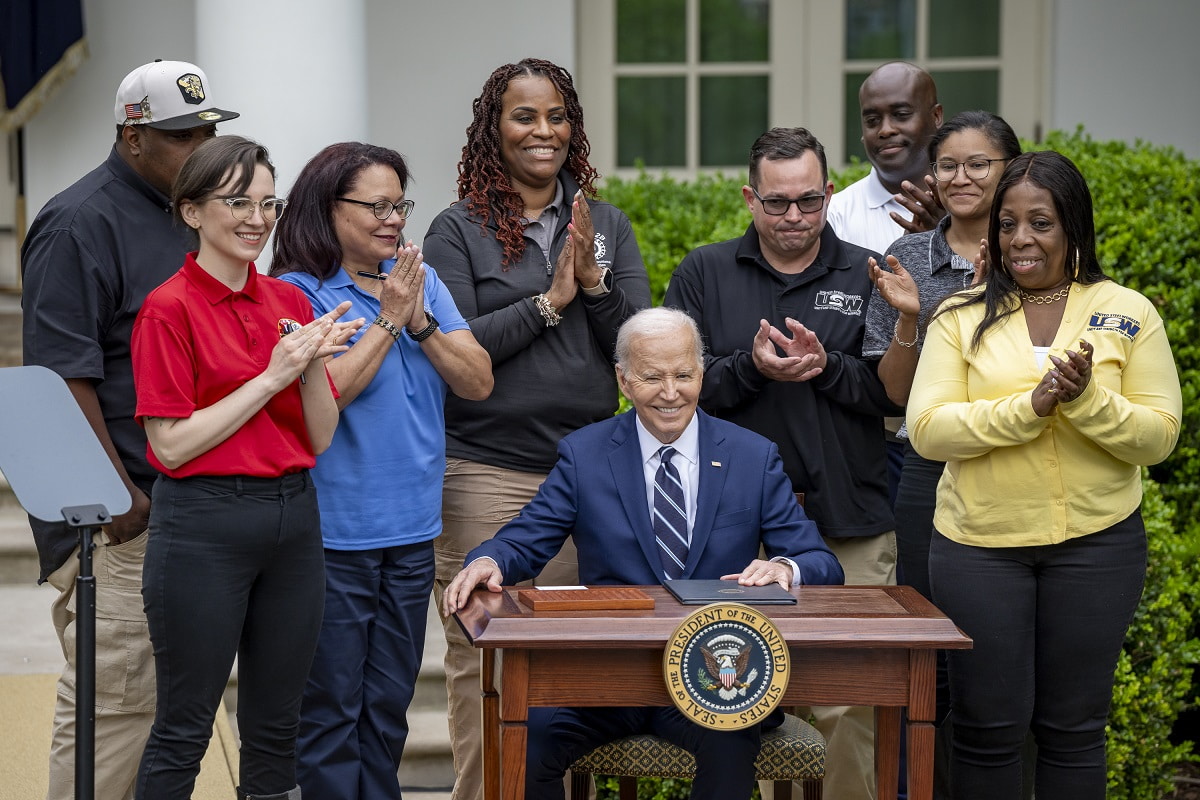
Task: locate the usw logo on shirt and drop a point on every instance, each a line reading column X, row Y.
column 1126, row 326
column 848, row 304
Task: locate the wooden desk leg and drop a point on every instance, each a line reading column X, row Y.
column 887, row 751
column 922, row 708
column 491, row 726
column 514, row 713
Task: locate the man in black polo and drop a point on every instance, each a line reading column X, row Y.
column 91, row 256
column 782, row 310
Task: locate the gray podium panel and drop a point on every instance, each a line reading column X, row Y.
column 48, row 451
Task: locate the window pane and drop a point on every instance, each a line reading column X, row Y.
column 853, row 143
column 968, row 90
column 733, row 113
column 651, row 31
column 964, row 29
column 881, row 29
column 651, row 119
column 734, row 30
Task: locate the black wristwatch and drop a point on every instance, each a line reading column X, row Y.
column 425, row 332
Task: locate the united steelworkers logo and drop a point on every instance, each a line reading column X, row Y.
column 1119, row 323
column 601, row 249
column 726, row 666
column 832, row 300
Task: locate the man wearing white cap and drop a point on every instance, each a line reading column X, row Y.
column 91, row 256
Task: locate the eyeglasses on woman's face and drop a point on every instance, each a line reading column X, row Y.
column 975, row 169
column 382, row 209
column 242, row 208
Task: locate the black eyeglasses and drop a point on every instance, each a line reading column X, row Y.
column 384, row 208
column 242, row 208
column 976, row 168
column 778, row 206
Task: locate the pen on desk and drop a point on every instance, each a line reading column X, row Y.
column 379, row 276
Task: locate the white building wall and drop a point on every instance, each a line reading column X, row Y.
column 425, row 63
column 74, row 132
column 1127, row 70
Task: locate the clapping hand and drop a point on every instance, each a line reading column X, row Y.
column 1066, row 381
column 296, row 351
column 563, row 285
column 583, row 236
column 981, row 264
column 896, row 287
column 803, row 354
column 402, row 300
column 925, row 206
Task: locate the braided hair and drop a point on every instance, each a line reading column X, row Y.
column 483, row 179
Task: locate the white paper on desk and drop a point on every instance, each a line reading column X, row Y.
column 561, row 588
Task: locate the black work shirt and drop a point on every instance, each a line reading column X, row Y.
column 91, row 256
column 829, row 429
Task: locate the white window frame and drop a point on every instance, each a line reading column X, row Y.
column 807, row 72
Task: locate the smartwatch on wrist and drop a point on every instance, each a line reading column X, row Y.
column 603, row 287
column 425, row 332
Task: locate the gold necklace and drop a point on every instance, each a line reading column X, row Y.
column 1045, row 300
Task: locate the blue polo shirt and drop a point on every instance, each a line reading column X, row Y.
column 380, row 481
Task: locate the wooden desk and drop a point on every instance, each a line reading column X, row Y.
column 849, row 645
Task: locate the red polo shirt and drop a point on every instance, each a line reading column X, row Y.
column 195, row 341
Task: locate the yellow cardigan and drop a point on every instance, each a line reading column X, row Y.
column 1015, row 479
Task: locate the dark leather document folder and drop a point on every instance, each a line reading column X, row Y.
column 698, row 593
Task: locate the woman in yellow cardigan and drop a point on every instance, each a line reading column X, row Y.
column 1045, row 391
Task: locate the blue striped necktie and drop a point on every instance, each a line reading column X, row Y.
column 670, row 516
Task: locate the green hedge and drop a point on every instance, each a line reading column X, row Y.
column 1148, row 231
column 1154, row 673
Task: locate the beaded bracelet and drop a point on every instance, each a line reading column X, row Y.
column 549, row 313
column 901, row 342
column 387, row 325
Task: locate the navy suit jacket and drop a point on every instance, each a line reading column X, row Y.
column 597, row 494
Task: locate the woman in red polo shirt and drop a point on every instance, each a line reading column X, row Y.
column 236, row 404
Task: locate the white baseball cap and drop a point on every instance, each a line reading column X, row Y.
column 171, row 95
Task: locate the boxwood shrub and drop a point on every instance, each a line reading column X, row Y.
column 1147, row 209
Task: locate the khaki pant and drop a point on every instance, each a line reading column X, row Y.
column 125, row 687
column 849, row 731
column 477, row 500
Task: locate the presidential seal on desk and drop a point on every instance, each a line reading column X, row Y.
column 726, row 666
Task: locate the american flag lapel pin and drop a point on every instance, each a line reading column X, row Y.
column 715, row 463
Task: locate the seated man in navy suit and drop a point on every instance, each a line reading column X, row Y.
column 664, row 492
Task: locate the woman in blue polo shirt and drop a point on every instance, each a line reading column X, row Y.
column 380, row 481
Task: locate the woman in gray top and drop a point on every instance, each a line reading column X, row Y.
column 545, row 275
column 968, row 155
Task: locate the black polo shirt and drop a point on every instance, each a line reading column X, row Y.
column 91, row 256
column 829, row 430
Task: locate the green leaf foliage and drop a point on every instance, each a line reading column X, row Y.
column 1147, row 212
column 1155, row 669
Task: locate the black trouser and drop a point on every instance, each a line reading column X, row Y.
column 916, row 497
column 233, row 566
column 1048, row 624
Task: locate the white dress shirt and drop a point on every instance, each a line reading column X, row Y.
column 687, row 462
column 859, row 214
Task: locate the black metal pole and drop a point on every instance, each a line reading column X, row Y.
column 85, row 519
column 85, row 671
